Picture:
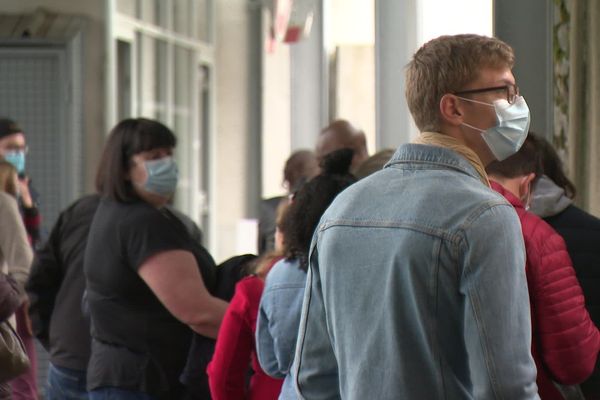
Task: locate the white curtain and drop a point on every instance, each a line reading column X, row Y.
column 583, row 132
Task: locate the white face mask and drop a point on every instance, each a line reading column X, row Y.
column 509, row 134
column 162, row 176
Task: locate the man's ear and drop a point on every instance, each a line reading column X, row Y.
column 526, row 184
column 451, row 109
column 530, row 177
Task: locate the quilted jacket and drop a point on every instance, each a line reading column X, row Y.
column 565, row 341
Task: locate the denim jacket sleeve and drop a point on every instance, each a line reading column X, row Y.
column 265, row 342
column 315, row 367
column 497, row 316
column 278, row 318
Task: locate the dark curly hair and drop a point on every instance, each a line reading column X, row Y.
column 311, row 201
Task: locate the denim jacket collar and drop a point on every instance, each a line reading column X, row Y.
column 416, row 156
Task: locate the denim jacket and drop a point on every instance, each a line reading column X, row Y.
column 277, row 323
column 417, row 289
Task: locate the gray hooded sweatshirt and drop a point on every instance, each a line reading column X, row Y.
column 548, row 198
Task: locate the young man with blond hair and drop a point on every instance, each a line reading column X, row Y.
column 416, row 287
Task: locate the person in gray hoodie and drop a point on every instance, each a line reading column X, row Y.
column 553, row 197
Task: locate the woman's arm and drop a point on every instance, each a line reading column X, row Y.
column 14, row 245
column 279, row 319
column 44, row 282
column 175, row 279
column 265, row 342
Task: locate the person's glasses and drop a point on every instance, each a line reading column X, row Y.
column 16, row 149
column 512, row 91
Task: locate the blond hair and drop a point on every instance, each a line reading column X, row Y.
column 7, row 178
column 446, row 65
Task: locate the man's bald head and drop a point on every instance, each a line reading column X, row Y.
column 340, row 134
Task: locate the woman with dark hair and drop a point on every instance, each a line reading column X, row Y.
column 281, row 302
column 147, row 281
column 553, row 196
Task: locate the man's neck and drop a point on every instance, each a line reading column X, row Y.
column 475, row 143
column 512, row 185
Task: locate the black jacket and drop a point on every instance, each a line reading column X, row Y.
column 581, row 232
column 56, row 285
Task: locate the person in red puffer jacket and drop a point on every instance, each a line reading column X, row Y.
column 235, row 350
column 565, row 341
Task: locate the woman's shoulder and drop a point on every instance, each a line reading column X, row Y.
column 249, row 287
column 9, row 207
column 130, row 214
column 7, row 200
column 250, row 282
column 286, row 271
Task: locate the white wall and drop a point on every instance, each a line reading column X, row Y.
column 436, row 18
column 355, row 88
column 233, row 123
column 276, row 129
column 350, row 34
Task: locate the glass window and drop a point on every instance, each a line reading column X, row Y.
column 157, row 76
column 182, row 123
column 182, row 17
column 183, row 61
column 181, row 127
column 123, row 79
column 161, row 80
column 152, row 83
column 201, row 20
column 154, row 12
column 127, row 7
column 205, row 141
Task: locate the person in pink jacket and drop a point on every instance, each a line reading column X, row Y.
column 565, row 341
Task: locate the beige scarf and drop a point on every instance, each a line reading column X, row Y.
column 441, row 140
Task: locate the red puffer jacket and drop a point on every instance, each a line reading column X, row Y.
column 565, row 341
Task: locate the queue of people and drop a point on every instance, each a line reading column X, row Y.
column 456, row 267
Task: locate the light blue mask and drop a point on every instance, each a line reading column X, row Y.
column 17, row 159
column 162, row 176
column 507, row 137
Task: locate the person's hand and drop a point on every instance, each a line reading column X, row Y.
column 25, row 194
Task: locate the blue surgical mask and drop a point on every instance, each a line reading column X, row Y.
column 162, row 176
column 509, row 134
column 17, row 159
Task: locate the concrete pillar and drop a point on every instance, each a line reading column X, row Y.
column 309, row 84
column 395, row 43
